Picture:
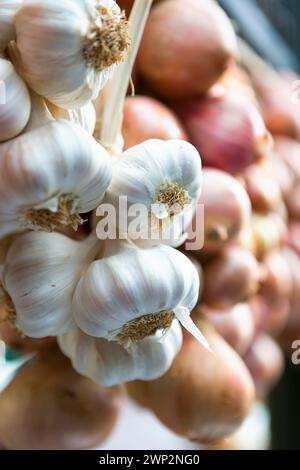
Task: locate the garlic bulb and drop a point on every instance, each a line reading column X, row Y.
column 163, row 178
column 69, row 48
column 84, row 117
column 109, row 363
column 14, row 101
column 130, row 295
column 49, row 175
column 8, row 9
column 39, row 276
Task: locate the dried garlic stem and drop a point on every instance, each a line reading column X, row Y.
column 47, row 220
column 144, row 326
column 116, row 93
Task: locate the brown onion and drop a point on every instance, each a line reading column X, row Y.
column 272, row 304
column 146, row 118
column 262, row 188
column 227, row 210
column 235, row 325
column 186, row 47
column 49, row 406
column 265, row 362
column 228, row 131
column 204, row 396
column 231, row 278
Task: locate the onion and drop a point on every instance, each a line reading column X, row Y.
column 265, row 362
column 237, row 81
column 227, row 210
column 186, row 47
column 281, row 115
column 289, row 150
column 146, row 118
column 262, row 188
column 49, row 406
column 269, row 231
column 294, row 236
column 228, row 131
column 204, row 396
column 271, row 306
column 292, row 328
column 235, row 325
column 231, row 278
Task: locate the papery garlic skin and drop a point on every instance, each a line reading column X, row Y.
column 41, row 168
column 165, row 178
column 8, row 9
column 84, row 117
column 53, row 37
column 40, row 274
column 108, row 363
column 15, row 102
column 135, row 283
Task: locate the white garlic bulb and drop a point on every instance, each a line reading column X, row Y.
column 69, row 48
column 164, row 179
column 14, row 102
column 49, row 175
column 84, row 117
column 109, row 363
column 130, row 295
column 8, row 10
column 39, row 275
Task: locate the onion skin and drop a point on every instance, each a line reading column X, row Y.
column 185, row 48
column 272, row 303
column 48, row 406
column 227, row 210
column 146, row 118
column 265, row 362
column 231, row 278
column 228, row 131
column 204, row 396
column 235, row 325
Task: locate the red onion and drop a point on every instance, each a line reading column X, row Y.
column 228, row 131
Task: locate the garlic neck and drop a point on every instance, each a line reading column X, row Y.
column 47, row 218
column 107, row 39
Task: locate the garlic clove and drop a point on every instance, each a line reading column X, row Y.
column 109, row 363
column 162, row 177
column 69, row 49
column 58, row 160
column 39, row 277
column 14, row 102
column 131, row 294
column 8, row 9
